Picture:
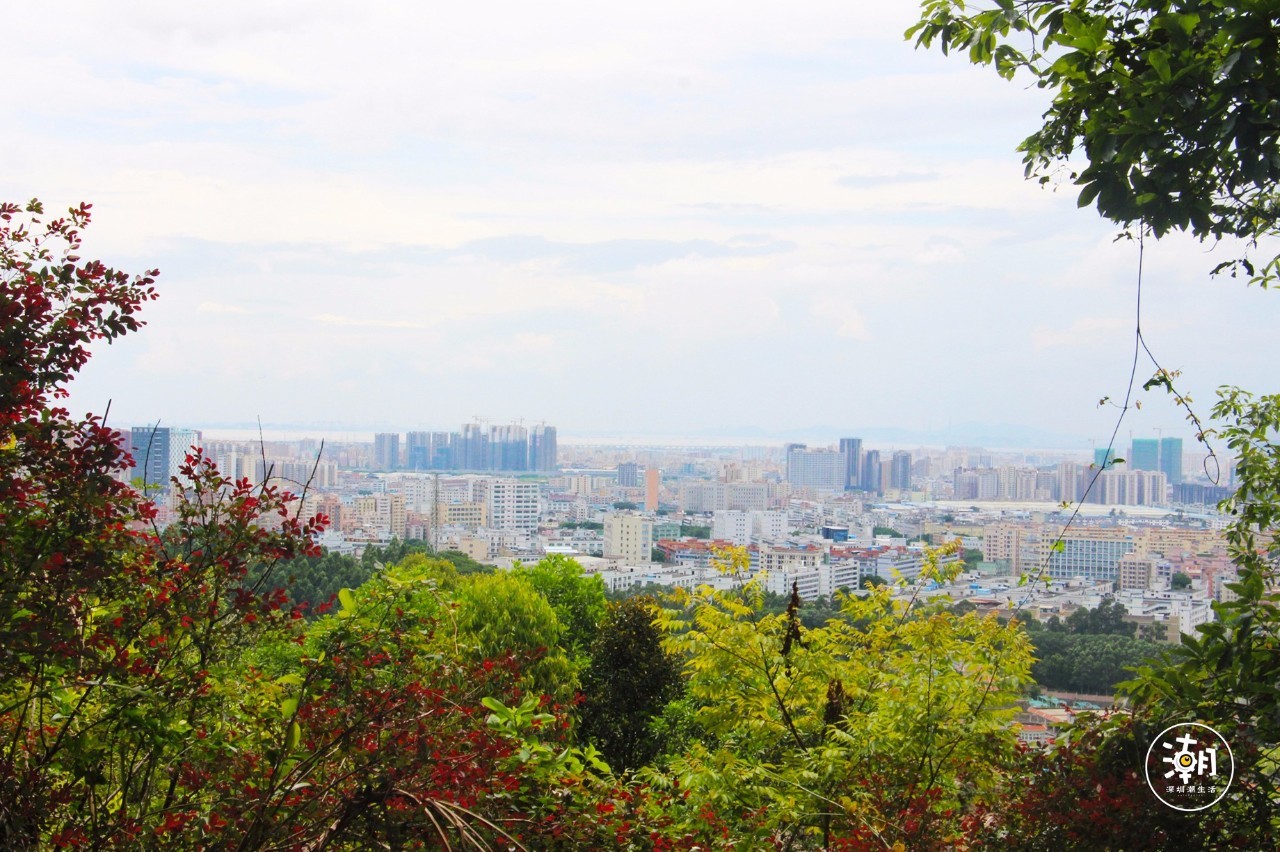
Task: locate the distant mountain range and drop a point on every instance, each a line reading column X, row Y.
column 987, row 435
column 995, row 436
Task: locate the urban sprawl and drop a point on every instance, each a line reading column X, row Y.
column 817, row 519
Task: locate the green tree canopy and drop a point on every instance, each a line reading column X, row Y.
column 1106, row 619
column 1174, row 106
column 628, row 682
column 896, row 700
column 578, row 600
column 502, row 615
column 1092, row 663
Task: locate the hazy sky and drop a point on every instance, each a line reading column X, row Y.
column 624, row 219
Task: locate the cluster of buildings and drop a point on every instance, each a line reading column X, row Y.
column 1165, row 571
column 820, row 519
column 1151, row 475
column 847, row 467
column 511, row 447
column 1143, row 479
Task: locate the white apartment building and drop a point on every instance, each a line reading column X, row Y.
column 741, row 527
column 841, row 574
column 769, row 526
column 746, row 496
column 820, row 470
column 731, row 525
column 512, row 503
column 703, row 496
column 806, row 580
column 779, row 558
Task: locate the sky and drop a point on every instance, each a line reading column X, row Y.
column 698, row 219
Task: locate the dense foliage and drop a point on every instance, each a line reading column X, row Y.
column 628, row 684
column 1089, row 663
column 876, row 729
column 163, row 688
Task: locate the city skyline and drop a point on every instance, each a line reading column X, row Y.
column 975, row 435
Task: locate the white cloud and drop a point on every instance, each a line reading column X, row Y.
column 565, row 206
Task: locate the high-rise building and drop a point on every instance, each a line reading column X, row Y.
column 475, row 447
column 158, row 453
column 1102, row 457
column 1130, row 488
column 852, row 449
column 386, row 450
column 1144, row 454
column 508, row 448
column 732, row 526
column 1068, row 484
column 900, row 473
column 444, row 450
column 511, row 503
column 700, row 495
column 628, row 475
column 871, row 472
column 1171, row 459
column 417, row 451
column 542, row 449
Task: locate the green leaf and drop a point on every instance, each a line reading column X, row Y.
column 1087, row 194
column 1159, row 60
column 288, row 707
column 347, row 599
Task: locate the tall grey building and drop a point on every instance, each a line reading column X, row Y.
column 386, row 450
column 629, row 475
column 852, row 449
column 900, row 470
column 871, row 472
column 508, row 448
column 417, row 450
column 475, row 447
column 1171, row 459
column 542, row 449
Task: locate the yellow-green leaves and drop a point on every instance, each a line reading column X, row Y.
column 922, row 704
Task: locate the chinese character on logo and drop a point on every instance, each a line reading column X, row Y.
column 1187, row 762
column 1201, row 759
